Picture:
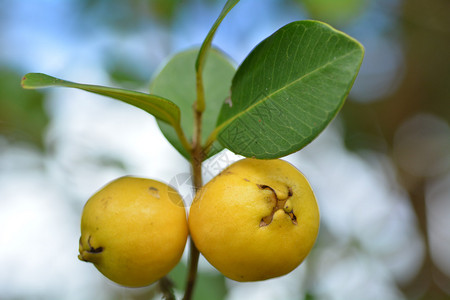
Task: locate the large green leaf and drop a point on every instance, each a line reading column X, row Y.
column 161, row 108
column 176, row 81
column 288, row 89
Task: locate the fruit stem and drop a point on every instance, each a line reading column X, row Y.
column 197, row 156
column 166, row 287
column 192, row 275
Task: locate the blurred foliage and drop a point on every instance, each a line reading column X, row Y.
column 124, row 15
column 117, row 15
column 309, row 297
column 22, row 114
column 424, row 90
column 425, row 85
column 209, row 285
column 334, row 12
column 126, row 71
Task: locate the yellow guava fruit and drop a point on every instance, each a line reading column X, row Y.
column 133, row 230
column 258, row 219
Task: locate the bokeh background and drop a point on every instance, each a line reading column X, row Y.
column 381, row 170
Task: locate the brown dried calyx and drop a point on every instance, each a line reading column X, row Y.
column 279, row 204
column 85, row 254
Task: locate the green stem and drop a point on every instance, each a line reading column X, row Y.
column 182, row 137
column 197, row 151
column 201, row 58
column 210, row 141
column 200, row 103
column 213, row 136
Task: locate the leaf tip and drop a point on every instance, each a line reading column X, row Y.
column 24, row 81
column 36, row 81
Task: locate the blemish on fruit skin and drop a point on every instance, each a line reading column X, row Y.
column 293, row 217
column 154, row 192
column 225, row 173
column 105, row 202
column 290, row 192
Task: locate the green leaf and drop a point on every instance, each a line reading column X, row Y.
column 202, row 54
column 159, row 107
column 209, row 37
column 176, row 81
column 288, row 90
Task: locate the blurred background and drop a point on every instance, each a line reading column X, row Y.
column 381, row 170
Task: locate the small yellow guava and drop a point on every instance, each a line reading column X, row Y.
column 133, row 230
column 256, row 220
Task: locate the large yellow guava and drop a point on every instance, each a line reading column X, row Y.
column 256, row 220
column 133, row 230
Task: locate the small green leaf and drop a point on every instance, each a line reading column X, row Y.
column 202, row 54
column 209, row 37
column 176, row 81
column 288, row 90
column 161, row 108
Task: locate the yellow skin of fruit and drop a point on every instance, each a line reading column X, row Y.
column 133, row 230
column 258, row 219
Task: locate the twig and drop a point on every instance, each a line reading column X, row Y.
column 166, row 287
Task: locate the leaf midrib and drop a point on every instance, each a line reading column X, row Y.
column 135, row 97
column 119, row 93
column 230, row 120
